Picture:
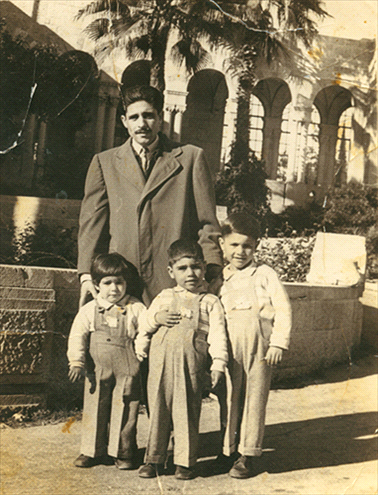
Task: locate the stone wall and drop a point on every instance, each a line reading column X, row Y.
column 39, row 304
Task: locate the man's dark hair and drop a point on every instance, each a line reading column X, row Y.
column 241, row 223
column 143, row 93
column 115, row 265
column 184, row 248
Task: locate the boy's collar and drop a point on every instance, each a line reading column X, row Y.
column 201, row 289
column 103, row 303
column 248, row 270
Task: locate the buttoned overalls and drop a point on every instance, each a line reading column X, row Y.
column 250, row 375
column 111, row 395
column 177, row 377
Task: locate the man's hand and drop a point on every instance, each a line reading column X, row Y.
column 273, row 356
column 216, row 376
column 86, row 290
column 75, row 373
column 167, row 318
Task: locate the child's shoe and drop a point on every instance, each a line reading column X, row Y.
column 150, row 470
column 242, row 468
column 184, row 473
column 124, row 464
column 84, row 461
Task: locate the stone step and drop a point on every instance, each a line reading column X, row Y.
column 25, row 298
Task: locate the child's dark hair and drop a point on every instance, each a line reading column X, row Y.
column 184, row 248
column 114, row 264
column 241, row 223
column 142, row 93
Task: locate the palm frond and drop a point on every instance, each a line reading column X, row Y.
column 190, row 52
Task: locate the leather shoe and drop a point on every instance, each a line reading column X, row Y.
column 124, row 464
column 84, row 461
column 184, row 473
column 242, row 468
column 150, row 470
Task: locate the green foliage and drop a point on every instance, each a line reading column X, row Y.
column 290, row 257
column 351, row 209
column 43, row 245
column 240, row 185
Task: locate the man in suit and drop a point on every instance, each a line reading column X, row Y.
column 145, row 194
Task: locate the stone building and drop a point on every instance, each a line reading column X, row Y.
column 311, row 132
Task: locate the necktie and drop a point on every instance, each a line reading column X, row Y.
column 144, row 158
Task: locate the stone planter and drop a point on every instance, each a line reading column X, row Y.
column 39, row 305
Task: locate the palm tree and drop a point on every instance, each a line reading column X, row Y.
column 143, row 28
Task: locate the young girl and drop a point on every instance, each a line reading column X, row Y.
column 108, row 326
column 258, row 316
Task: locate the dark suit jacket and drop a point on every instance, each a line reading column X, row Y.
column 139, row 219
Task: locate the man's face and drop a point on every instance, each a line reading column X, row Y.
column 142, row 121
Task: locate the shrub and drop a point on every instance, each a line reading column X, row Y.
column 43, row 245
column 290, row 257
column 240, row 185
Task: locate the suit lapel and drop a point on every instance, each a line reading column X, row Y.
column 165, row 167
column 128, row 166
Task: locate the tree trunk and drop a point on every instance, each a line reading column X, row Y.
column 243, row 118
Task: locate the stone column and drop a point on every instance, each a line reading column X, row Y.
column 271, row 141
column 110, row 123
column 100, row 124
column 174, row 107
column 327, row 147
column 228, row 129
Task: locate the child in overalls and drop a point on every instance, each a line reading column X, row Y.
column 187, row 325
column 108, row 324
column 258, row 316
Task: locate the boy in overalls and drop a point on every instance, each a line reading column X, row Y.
column 258, row 316
column 187, row 325
column 109, row 325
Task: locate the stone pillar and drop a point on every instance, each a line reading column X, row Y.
column 228, row 129
column 272, row 134
column 327, row 147
column 177, row 127
column 174, row 107
column 110, row 123
column 100, row 124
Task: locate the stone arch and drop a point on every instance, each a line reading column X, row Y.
column 331, row 102
column 137, row 73
column 274, row 94
column 203, row 118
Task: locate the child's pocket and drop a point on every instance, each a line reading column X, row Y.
column 266, row 327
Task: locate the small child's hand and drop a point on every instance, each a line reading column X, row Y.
column 274, row 355
column 75, row 373
column 167, row 318
column 216, row 376
column 140, row 356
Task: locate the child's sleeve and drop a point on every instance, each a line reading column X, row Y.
column 147, row 324
column 78, row 338
column 217, row 337
column 282, row 310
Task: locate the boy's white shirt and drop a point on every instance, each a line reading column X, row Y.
column 273, row 301
column 216, row 338
column 83, row 324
